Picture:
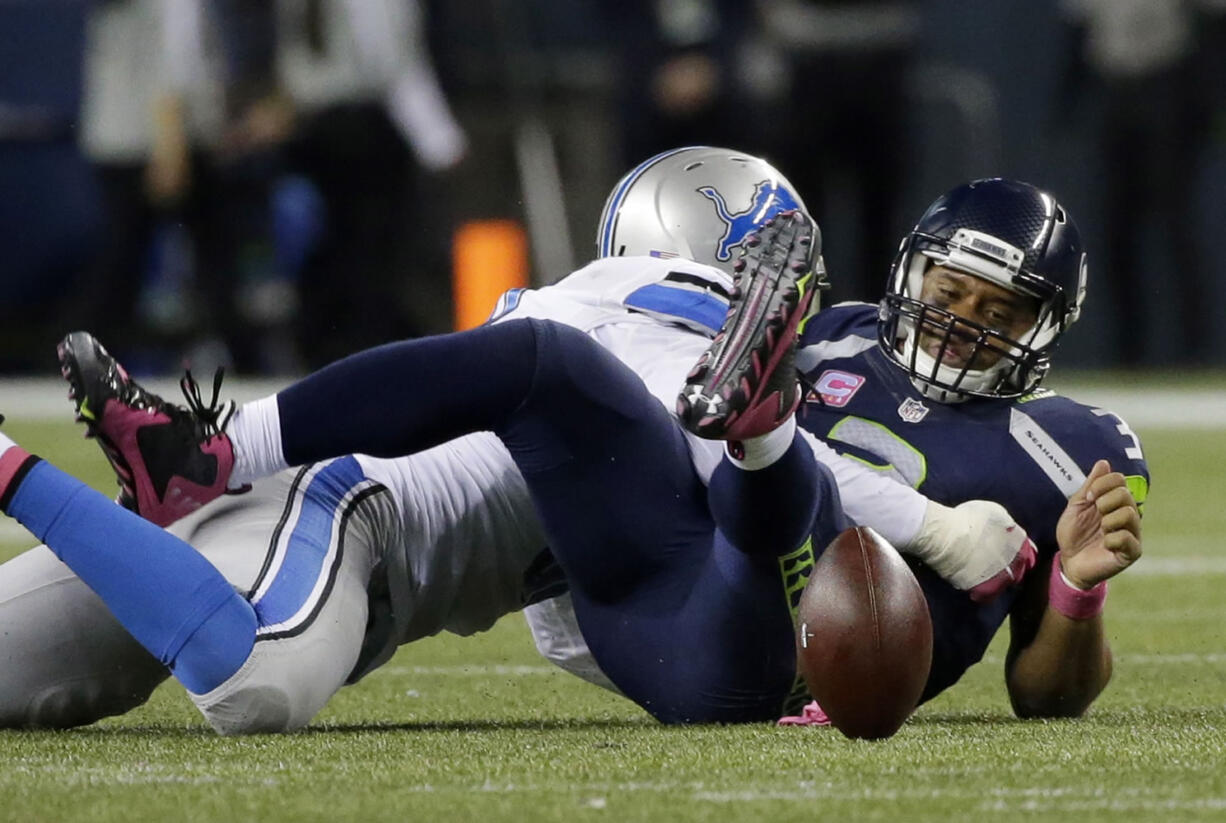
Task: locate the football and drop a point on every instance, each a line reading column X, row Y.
column 864, row 635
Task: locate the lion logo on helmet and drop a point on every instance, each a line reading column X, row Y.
column 768, row 200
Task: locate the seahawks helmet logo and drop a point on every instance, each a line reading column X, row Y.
column 768, row 200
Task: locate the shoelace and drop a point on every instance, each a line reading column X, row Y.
column 213, row 416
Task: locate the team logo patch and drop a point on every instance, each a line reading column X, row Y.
column 768, row 200
column 836, row 388
column 912, row 410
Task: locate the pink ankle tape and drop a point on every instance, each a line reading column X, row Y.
column 1072, row 602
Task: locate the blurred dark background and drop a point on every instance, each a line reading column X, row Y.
column 269, row 185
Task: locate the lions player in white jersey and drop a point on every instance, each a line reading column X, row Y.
column 343, row 561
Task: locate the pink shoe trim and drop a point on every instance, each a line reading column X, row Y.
column 810, row 715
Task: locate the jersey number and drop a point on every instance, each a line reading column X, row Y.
column 904, row 462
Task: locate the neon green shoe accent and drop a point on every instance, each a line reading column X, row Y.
column 803, row 284
column 796, row 567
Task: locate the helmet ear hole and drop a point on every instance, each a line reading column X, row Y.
column 700, row 203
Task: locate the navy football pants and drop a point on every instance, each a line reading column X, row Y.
column 687, row 625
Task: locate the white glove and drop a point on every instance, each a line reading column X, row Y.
column 976, row 546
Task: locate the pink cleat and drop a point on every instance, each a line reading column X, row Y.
column 745, row 384
column 169, row 460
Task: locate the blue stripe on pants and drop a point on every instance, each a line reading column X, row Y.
column 323, row 503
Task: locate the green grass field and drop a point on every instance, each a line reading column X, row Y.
column 482, row 729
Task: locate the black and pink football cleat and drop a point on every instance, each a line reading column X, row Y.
column 745, row 385
column 170, row 460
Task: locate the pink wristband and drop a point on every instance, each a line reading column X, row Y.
column 1070, row 601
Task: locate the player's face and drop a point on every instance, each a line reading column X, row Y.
column 1006, row 314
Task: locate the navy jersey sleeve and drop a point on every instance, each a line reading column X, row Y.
column 839, row 321
column 1063, row 439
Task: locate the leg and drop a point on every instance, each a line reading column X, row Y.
column 181, row 609
column 773, row 510
column 303, row 546
column 177, row 605
column 69, row 662
column 612, row 480
column 580, row 426
column 64, row 659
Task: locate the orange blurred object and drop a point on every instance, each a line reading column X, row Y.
column 488, row 258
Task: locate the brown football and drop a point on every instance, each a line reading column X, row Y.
column 864, row 635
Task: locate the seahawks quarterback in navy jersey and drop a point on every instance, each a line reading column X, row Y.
column 938, row 388
column 1029, row 454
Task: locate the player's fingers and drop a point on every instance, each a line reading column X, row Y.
column 1123, row 519
column 1103, row 483
column 1086, row 492
column 1124, row 544
column 1111, row 499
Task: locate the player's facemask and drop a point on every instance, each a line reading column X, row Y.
column 951, row 358
column 1010, row 234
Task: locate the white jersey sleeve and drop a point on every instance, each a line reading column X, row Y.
column 673, row 292
column 871, row 498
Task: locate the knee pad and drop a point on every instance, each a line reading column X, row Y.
column 280, row 688
column 248, row 709
column 70, row 703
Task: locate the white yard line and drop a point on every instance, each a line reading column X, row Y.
column 1039, row 797
column 46, row 398
column 1144, row 408
column 495, row 670
column 1178, row 566
column 465, row 670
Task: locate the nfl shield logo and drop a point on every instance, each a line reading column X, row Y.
column 912, row 410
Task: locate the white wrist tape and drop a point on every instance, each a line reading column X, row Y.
column 969, row 543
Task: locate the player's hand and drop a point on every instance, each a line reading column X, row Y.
column 1099, row 533
column 976, row 546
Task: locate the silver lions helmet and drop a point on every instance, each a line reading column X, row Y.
column 699, row 203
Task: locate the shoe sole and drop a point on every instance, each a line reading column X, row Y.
column 78, row 356
column 724, row 394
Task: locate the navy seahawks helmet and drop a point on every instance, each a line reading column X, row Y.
column 699, row 203
column 1011, row 234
